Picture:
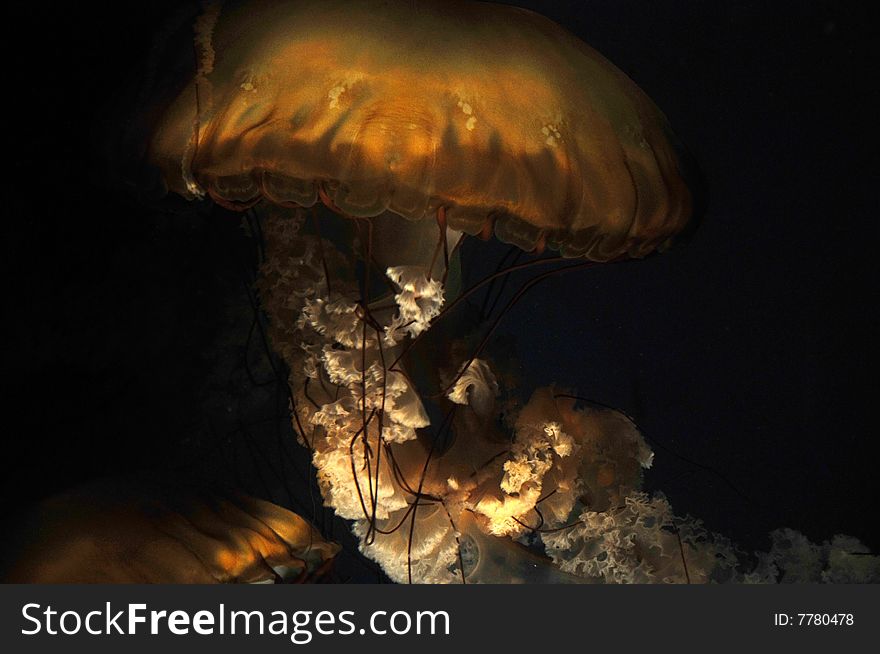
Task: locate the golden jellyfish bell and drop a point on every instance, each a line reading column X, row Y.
column 493, row 114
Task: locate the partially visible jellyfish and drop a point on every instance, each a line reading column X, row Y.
column 161, row 530
column 369, row 140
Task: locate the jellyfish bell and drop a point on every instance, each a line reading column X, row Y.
column 501, row 117
column 370, row 139
column 156, row 529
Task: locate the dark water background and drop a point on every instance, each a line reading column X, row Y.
column 747, row 356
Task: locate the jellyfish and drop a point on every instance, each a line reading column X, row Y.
column 368, row 141
column 162, row 529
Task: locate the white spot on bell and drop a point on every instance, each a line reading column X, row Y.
column 552, row 135
column 334, row 94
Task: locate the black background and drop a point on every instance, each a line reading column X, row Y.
column 750, row 351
